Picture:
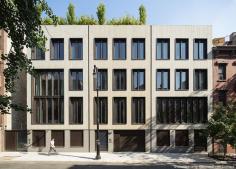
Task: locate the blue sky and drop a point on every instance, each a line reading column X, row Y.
column 218, row 13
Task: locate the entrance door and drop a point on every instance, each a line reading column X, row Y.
column 10, row 141
column 130, row 140
column 103, row 136
column 200, row 140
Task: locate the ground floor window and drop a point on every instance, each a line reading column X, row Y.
column 163, row 137
column 76, row 138
column 200, row 140
column 181, row 138
column 59, row 137
column 38, row 138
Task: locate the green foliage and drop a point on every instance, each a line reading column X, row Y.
column 101, row 10
column 47, row 21
column 71, row 18
column 142, row 15
column 22, row 21
column 87, row 20
column 61, row 21
column 126, row 20
column 221, row 126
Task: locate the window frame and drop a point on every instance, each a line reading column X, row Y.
column 133, row 114
column 114, row 80
column 116, row 113
column 205, row 57
column 187, row 75
column 78, row 72
column 132, row 80
column 138, row 55
column 70, row 48
column 195, row 81
column 105, row 101
column 161, row 40
column 80, row 100
column 34, row 53
column 95, row 53
column 186, row 50
column 168, row 80
column 52, row 49
column 224, row 66
column 113, row 48
column 95, row 83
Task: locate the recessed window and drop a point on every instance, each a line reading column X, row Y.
column 200, row 140
column 138, row 49
column 101, row 82
column 119, row 49
column 181, row 138
column 222, row 96
column 38, row 138
column 138, row 110
column 163, row 49
column 101, row 49
column 200, row 49
column 76, row 79
column 102, row 108
column 76, row 110
column 163, row 79
column 222, row 71
column 76, row 138
column 181, row 79
column 200, row 79
column 37, row 54
column 57, row 49
column 181, row 49
column 76, row 49
column 163, row 137
column 119, row 79
column 59, row 137
column 138, row 79
column 119, row 110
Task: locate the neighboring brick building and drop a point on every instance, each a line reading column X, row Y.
column 224, row 73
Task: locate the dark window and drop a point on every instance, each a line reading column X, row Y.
column 119, row 79
column 101, row 49
column 138, row 79
column 37, row 54
column 76, row 49
column 163, row 79
column 138, row 49
column 222, row 71
column 101, row 82
column 181, row 138
column 76, row 138
column 200, row 49
column 181, row 110
column 200, row 79
column 163, row 137
column 181, row 49
column 57, row 49
column 119, row 110
column 38, row 138
column 59, row 137
column 119, row 49
column 138, row 110
column 222, row 96
column 76, row 110
column 48, row 97
column 181, row 79
column 200, row 140
column 102, row 110
column 76, row 79
column 163, row 49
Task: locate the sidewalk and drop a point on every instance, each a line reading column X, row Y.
column 111, row 158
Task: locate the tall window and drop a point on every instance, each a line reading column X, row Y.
column 76, row 110
column 138, row 110
column 200, row 49
column 163, row 49
column 138, row 79
column 48, row 97
column 181, row 79
column 163, row 79
column 181, row 49
column 57, row 49
column 138, row 49
column 181, row 110
column 102, row 108
column 76, row 49
column 119, row 79
column 200, row 79
column 181, row 138
column 222, row 71
column 119, row 110
column 119, row 49
column 76, row 79
column 37, row 54
column 101, row 49
column 101, row 82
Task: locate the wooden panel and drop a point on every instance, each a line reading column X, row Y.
column 76, row 138
column 181, row 138
column 10, row 141
column 163, row 137
column 129, row 141
column 59, row 137
column 38, row 138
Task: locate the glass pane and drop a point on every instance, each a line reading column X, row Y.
column 61, row 56
column 177, row 50
column 159, row 51
column 123, row 50
column 134, row 50
column 201, row 50
column 141, row 50
column 104, row 50
column 158, row 80
column 165, row 51
column 195, row 50
column 135, row 80
column 116, row 50
column 183, row 50
column 165, row 80
column 49, row 84
column 177, row 80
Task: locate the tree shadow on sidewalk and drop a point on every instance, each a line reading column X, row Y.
column 67, row 155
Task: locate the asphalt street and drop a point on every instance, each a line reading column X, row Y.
column 76, row 165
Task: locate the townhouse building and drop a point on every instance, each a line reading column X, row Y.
column 154, row 82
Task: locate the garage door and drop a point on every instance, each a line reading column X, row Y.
column 130, row 140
